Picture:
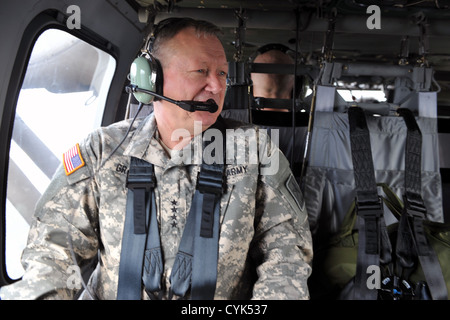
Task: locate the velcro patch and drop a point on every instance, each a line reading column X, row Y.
column 295, row 192
column 73, row 160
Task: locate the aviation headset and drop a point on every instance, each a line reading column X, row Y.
column 146, row 71
column 146, row 75
column 272, row 46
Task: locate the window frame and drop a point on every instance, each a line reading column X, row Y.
column 50, row 19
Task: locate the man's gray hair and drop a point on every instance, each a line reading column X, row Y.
column 168, row 28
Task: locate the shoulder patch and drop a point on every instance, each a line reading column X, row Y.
column 73, row 160
column 295, row 192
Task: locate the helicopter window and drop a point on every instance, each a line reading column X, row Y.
column 362, row 92
column 362, row 95
column 62, row 98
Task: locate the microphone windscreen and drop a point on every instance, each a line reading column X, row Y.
column 213, row 105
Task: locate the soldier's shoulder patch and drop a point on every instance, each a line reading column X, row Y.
column 294, row 190
column 73, row 160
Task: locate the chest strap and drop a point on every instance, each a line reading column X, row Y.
column 374, row 245
column 196, row 260
column 195, row 265
column 140, row 203
column 371, row 228
column 411, row 228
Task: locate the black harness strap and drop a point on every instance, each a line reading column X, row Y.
column 411, row 230
column 206, row 250
column 369, row 208
column 140, row 181
column 374, row 245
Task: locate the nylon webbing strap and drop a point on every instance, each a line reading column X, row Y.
column 180, row 278
column 199, row 245
column 368, row 205
column 411, row 222
column 153, row 265
column 195, row 264
column 140, row 180
column 206, row 243
column 197, row 256
column 210, row 187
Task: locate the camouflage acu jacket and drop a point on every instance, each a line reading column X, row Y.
column 265, row 247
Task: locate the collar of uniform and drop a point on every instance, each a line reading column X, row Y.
column 144, row 145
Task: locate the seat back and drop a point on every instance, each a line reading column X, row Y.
column 329, row 180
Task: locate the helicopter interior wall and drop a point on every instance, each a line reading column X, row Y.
column 22, row 23
column 122, row 43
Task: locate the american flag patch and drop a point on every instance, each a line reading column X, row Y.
column 72, row 159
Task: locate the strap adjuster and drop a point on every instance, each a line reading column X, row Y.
column 141, row 176
column 414, row 205
column 210, row 179
column 369, row 209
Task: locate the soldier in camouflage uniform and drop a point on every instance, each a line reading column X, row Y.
column 265, row 248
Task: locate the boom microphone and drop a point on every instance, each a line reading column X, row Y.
column 189, row 105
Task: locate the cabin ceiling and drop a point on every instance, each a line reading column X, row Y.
column 275, row 21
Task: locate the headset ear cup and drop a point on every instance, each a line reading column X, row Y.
column 146, row 73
